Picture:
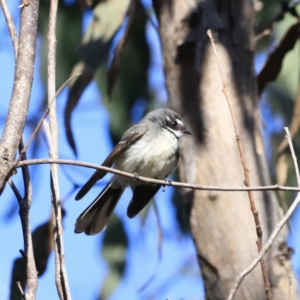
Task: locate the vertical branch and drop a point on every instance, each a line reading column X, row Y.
column 11, row 27
column 20, row 98
column 246, row 173
column 277, row 228
column 289, row 139
column 16, row 120
column 25, row 204
column 60, row 271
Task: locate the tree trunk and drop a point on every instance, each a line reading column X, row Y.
column 221, row 222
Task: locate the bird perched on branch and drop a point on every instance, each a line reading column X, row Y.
column 150, row 149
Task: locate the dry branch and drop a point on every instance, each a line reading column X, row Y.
column 21, row 90
column 30, row 278
column 15, row 190
column 44, row 117
column 11, row 27
column 24, row 203
column 254, row 211
column 60, row 270
column 157, row 181
column 294, row 124
column 24, row 212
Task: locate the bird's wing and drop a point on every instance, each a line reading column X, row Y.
column 130, row 137
column 142, row 194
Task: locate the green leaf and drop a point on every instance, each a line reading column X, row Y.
column 68, row 35
column 132, row 82
column 96, row 42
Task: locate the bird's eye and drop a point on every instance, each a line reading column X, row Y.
column 175, row 123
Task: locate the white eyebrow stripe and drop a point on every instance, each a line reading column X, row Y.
column 180, row 122
column 177, row 133
column 168, row 119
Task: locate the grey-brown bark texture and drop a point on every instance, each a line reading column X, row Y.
column 222, row 223
column 23, row 78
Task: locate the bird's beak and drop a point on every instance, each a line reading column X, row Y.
column 187, row 132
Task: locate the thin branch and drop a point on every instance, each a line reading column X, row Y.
column 15, row 190
column 62, row 288
column 20, row 98
column 262, row 34
column 44, row 116
column 25, row 205
column 25, row 173
column 60, row 270
column 57, row 228
column 11, row 26
column 275, row 187
column 275, row 232
column 18, row 283
column 289, row 139
column 259, row 232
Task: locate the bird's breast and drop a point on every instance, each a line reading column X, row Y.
column 150, row 157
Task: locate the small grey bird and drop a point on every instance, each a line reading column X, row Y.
column 150, row 149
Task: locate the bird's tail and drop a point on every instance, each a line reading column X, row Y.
column 97, row 175
column 96, row 216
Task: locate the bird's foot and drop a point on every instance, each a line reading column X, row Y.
column 136, row 177
column 168, row 182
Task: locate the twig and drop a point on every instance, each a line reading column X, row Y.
column 289, row 139
column 157, row 181
column 60, row 274
column 156, row 27
column 60, row 270
column 25, row 173
column 44, row 116
column 259, row 232
column 18, row 283
column 20, row 97
column 23, row 254
column 28, row 255
column 15, row 190
column 276, row 230
column 262, row 34
column 25, row 204
column 11, row 27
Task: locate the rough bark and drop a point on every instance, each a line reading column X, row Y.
column 23, row 78
column 221, row 222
